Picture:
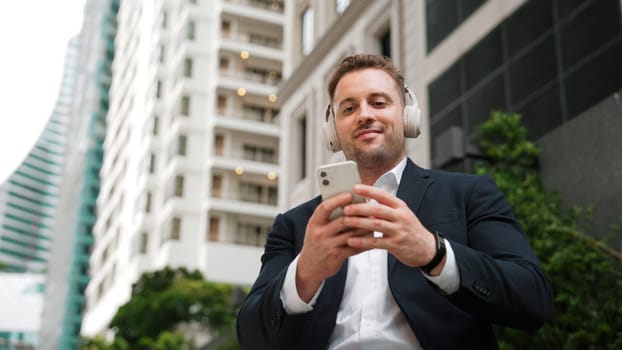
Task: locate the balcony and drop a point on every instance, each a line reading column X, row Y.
column 260, row 76
column 263, row 11
column 247, row 124
column 260, row 39
column 233, row 162
column 238, row 206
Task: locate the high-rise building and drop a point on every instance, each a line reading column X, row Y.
column 90, row 57
column 556, row 62
column 34, row 220
column 190, row 170
column 29, row 196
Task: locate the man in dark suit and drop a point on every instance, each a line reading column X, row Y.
column 430, row 261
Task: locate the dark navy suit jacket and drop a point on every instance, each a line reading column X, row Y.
column 501, row 281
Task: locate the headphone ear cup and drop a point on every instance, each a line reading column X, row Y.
column 412, row 117
column 329, row 134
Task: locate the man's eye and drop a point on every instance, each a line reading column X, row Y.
column 347, row 110
column 379, row 104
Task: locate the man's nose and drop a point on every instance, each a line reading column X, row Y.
column 366, row 112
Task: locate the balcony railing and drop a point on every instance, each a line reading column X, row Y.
column 270, row 78
column 256, row 39
column 248, row 198
column 276, row 6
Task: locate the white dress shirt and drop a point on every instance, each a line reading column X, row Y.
column 368, row 316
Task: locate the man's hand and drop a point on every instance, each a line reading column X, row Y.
column 403, row 234
column 325, row 247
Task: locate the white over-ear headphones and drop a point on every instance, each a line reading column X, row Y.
column 412, row 116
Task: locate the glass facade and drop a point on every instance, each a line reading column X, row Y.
column 549, row 61
column 443, row 16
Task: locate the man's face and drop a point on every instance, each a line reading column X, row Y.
column 369, row 118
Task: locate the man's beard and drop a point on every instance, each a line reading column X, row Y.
column 378, row 157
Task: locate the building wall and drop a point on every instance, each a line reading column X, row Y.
column 581, row 162
column 551, row 61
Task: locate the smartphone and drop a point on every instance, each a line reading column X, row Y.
column 337, row 178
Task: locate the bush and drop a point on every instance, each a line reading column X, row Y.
column 585, row 273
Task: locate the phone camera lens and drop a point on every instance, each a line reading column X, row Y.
column 323, row 174
column 325, row 182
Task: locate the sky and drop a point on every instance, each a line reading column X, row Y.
column 33, row 36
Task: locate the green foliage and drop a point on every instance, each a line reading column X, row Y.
column 585, row 273
column 99, row 343
column 162, row 301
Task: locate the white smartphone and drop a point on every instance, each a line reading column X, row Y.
column 337, row 178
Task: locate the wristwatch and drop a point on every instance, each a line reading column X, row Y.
column 438, row 256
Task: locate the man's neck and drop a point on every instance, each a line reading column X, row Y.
column 369, row 175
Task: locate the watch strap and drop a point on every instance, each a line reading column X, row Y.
column 438, row 256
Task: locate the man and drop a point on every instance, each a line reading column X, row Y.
column 445, row 261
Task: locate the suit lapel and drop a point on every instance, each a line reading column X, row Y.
column 413, row 185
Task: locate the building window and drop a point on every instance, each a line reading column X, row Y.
column 216, row 186
column 223, row 65
column 302, row 150
column 176, row 228
column 185, row 105
column 148, row 203
column 219, row 145
column 158, row 92
column 273, row 195
column 152, row 163
column 251, row 234
column 144, row 242
column 225, row 28
column 214, row 229
column 256, row 193
column 222, row 104
column 307, row 31
column 190, row 30
column 385, row 43
column 442, row 17
column 188, row 67
column 164, row 19
column 182, row 141
column 179, row 186
column 156, row 122
column 341, row 5
column 250, row 192
column 162, row 54
column 258, row 153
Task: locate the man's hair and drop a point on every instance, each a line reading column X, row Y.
column 363, row 61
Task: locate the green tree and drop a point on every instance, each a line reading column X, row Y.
column 585, row 273
column 99, row 343
column 163, row 300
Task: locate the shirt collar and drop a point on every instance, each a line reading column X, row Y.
column 390, row 180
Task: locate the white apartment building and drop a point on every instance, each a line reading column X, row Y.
column 190, row 170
